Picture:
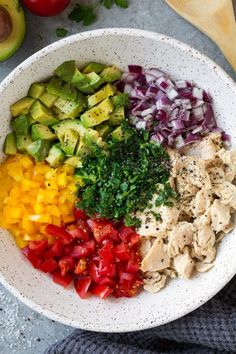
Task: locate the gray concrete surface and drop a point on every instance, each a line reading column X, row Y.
column 23, row 331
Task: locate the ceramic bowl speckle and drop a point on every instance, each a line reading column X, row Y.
column 121, row 47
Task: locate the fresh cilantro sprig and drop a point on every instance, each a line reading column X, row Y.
column 61, row 32
column 88, row 14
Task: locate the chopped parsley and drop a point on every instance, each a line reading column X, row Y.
column 87, row 13
column 123, row 180
column 61, row 32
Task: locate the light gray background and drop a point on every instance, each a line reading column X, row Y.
column 23, row 331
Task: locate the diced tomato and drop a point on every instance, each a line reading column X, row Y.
column 82, row 286
column 102, row 291
column 38, row 247
column 126, row 233
column 132, row 266
column 102, row 229
column 121, row 252
column 79, row 233
column 107, row 281
column 90, row 245
column 83, row 249
column 127, row 280
column 62, row 280
column 80, row 214
column 66, row 264
column 81, row 266
column 32, row 257
column 106, row 252
column 48, row 266
column 67, row 250
column 59, row 232
column 55, row 250
column 120, row 268
column 134, row 240
column 83, row 226
column 93, row 272
column 106, row 269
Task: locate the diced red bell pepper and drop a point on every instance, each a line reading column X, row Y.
column 102, row 291
column 60, row 233
column 38, row 247
column 106, row 269
column 48, row 266
column 121, row 252
column 55, row 250
column 81, row 266
column 32, row 257
column 62, row 280
column 93, row 272
column 82, row 286
column 79, row 214
column 66, row 264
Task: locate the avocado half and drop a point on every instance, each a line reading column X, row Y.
column 12, row 27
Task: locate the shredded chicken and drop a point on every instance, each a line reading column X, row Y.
column 186, row 235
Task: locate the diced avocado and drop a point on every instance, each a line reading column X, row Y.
column 66, row 70
column 95, row 67
column 55, row 156
column 40, row 131
column 92, row 140
column 74, row 161
column 79, row 79
column 103, row 130
column 111, row 74
column 31, row 120
column 81, row 150
column 22, row 141
column 10, row 144
column 71, row 109
column 121, row 100
column 118, row 134
column 69, row 141
column 38, row 149
column 37, row 89
column 73, row 124
column 42, row 114
column 98, row 114
column 94, row 81
column 57, row 87
column 106, row 91
column 48, row 99
column 20, row 125
column 117, row 116
column 22, row 106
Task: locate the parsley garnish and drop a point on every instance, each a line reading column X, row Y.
column 123, row 180
column 87, row 14
column 61, row 32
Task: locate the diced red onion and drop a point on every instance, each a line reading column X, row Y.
column 182, row 112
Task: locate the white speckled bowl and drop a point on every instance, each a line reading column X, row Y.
column 121, row 47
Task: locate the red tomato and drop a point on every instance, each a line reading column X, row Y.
column 93, row 272
column 38, row 247
column 32, row 257
column 66, row 264
column 121, row 252
column 48, row 266
column 62, row 280
column 102, row 291
column 82, row 286
column 81, row 266
column 46, row 7
column 79, row 233
column 107, row 281
column 102, row 229
column 80, row 214
column 126, row 233
column 83, row 249
column 55, row 250
column 59, row 232
column 106, row 269
column 106, row 252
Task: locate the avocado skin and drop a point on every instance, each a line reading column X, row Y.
column 9, row 46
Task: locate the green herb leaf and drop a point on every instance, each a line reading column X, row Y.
column 107, row 3
column 122, row 3
column 83, row 13
column 61, row 32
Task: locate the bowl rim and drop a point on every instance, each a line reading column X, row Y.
column 82, row 36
